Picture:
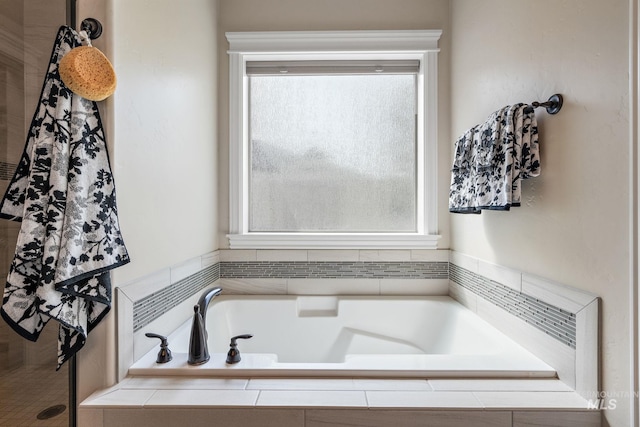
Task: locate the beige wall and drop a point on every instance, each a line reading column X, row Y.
column 161, row 126
column 162, row 132
column 165, row 130
column 300, row 15
column 574, row 223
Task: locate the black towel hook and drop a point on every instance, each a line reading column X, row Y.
column 93, row 27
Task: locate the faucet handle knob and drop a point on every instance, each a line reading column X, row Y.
column 164, row 355
column 233, row 356
column 244, row 337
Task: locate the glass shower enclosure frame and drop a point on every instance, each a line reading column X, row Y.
column 32, row 392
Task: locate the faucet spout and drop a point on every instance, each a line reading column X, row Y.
column 204, row 301
column 198, row 348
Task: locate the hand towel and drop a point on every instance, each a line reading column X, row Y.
column 529, row 154
column 462, row 196
column 492, row 158
column 63, row 193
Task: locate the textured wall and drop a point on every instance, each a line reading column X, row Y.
column 164, row 140
column 573, row 226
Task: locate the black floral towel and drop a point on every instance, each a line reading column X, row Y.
column 491, row 160
column 64, row 195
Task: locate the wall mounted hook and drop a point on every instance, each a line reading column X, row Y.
column 92, row 26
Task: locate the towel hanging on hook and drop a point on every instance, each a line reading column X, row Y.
column 63, row 194
column 85, row 69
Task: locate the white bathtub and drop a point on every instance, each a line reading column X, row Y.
column 348, row 336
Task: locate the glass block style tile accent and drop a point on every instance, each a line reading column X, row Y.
column 553, row 321
column 154, row 305
column 333, row 270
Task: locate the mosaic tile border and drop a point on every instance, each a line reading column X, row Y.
column 149, row 308
column 555, row 322
column 333, row 270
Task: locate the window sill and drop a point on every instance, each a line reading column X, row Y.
column 332, row 241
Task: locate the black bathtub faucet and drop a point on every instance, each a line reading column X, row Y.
column 198, row 349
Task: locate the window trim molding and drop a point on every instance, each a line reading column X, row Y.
column 331, row 45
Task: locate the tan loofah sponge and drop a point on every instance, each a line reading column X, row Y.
column 87, row 72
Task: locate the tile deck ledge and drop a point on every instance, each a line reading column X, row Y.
column 169, row 401
column 416, row 394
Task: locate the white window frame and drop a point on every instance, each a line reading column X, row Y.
column 334, row 45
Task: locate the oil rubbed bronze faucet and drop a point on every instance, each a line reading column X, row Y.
column 198, row 349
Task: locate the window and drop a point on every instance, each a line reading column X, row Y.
column 333, row 139
column 332, row 152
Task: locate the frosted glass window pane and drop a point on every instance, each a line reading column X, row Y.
column 332, row 153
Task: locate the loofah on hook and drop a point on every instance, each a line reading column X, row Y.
column 87, row 72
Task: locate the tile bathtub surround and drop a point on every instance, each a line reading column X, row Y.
column 357, row 403
column 556, row 311
column 156, row 304
column 143, row 303
column 366, row 403
column 553, row 321
column 334, row 270
column 557, row 323
column 318, row 417
column 329, row 255
column 159, row 303
column 152, row 306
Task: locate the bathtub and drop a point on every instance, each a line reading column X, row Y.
column 348, row 336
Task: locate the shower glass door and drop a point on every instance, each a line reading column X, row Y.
column 32, row 393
